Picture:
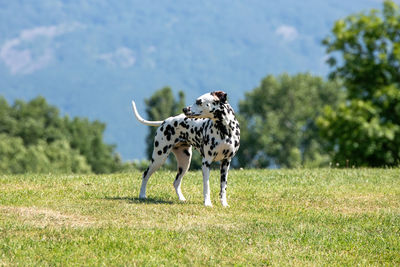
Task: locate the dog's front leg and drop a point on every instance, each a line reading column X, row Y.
column 206, row 183
column 224, row 181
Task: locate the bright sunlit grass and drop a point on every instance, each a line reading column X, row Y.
column 276, row 217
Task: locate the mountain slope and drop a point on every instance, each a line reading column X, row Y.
column 90, row 58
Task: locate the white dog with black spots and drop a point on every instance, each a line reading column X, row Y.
column 210, row 126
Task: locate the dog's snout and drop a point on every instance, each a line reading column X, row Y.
column 186, row 110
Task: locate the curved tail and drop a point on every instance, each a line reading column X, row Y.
column 140, row 119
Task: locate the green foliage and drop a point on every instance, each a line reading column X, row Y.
column 35, row 138
column 87, row 138
column 365, row 54
column 160, row 106
column 56, row 157
column 277, row 121
column 32, row 121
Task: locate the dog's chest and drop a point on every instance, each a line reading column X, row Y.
column 218, row 148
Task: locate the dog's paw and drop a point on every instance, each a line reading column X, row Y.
column 208, row 203
column 224, row 203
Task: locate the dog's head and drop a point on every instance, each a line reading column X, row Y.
column 206, row 105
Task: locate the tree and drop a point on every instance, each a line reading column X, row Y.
column 57, row 157
column 277, row 121
column 364, row 52
column 87, row 138
column 32, row 121
column 35, row 138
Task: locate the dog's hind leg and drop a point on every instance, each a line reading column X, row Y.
column 183, row 156
column 224, row 181
column 157, row 161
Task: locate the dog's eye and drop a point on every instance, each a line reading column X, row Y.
column 198, row 102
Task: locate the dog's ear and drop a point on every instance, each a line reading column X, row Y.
column 222, row 96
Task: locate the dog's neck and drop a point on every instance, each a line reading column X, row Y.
column 225, row 121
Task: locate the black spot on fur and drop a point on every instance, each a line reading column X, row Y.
column 206, row 164
column 159, row 152
column 206, row 139
column 186, row 152
column 145, row 172
column 169, row 131
column 156, row 143
column 223, row 178
column 184, row 136
column 165, row 149
column 213, row 143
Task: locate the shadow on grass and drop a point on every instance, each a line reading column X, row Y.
column 136, row 200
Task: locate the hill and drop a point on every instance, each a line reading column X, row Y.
column 91, row 58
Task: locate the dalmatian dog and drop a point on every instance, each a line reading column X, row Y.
column 210, row 126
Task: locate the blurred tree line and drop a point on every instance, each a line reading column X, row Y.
column 353, row 118
column 35, row 138
column 278, row 121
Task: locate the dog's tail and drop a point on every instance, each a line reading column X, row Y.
column 139, row 118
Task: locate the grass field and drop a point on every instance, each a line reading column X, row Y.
column 276, row 217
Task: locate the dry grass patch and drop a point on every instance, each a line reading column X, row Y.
column 169, row 216
column 40, row 217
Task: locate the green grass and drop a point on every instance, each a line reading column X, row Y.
column 276, row 217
